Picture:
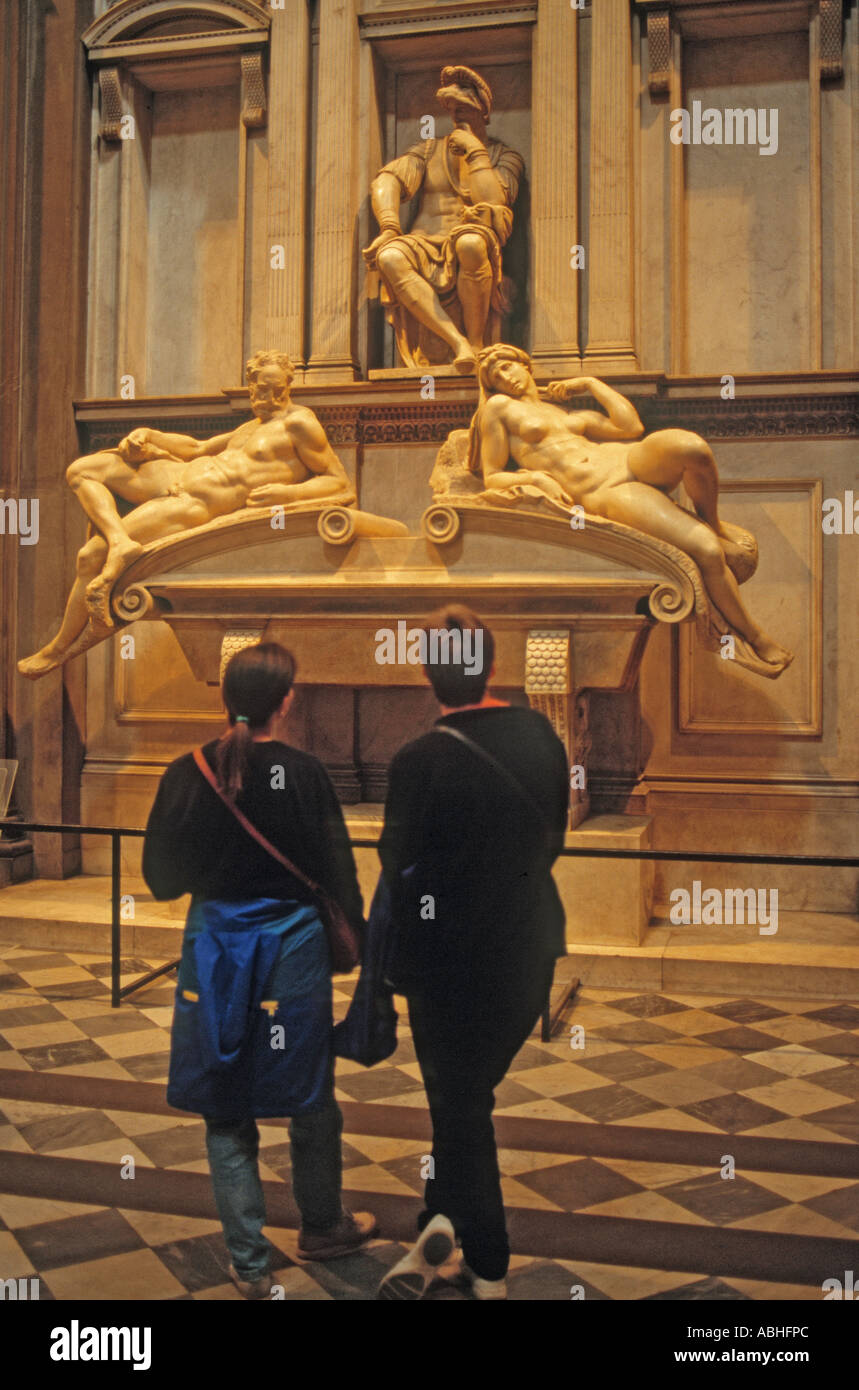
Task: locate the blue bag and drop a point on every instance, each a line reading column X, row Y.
column 252, row 1018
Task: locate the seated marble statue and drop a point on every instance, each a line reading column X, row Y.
column 280, row 458
column 522, row 441
column 442, row 281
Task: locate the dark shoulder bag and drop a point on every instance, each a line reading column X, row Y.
column 343, row 941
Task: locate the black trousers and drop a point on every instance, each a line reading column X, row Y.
column 465, row 1038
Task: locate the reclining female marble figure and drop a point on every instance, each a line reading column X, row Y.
column 601, row 463
column 280, row 458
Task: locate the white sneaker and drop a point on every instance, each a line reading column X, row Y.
column 486, row 1290
column 411, row 1276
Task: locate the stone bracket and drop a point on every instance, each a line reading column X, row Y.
column 110, row 127
column 549, row 686
column 831, row 26
column 254, row 106
column 235, row 640
column 659, row 51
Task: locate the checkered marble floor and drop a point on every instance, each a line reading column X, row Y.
column 763, row 1068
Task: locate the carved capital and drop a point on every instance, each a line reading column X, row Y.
column 253, row 91
column 110, row 127
column 659, row 51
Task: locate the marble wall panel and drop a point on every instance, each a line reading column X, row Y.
column 748, row 214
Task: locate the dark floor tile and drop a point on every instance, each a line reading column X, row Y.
column 647, row 1005
column 119, row 1021
column 405, row 1053
column 512, row 1092
column 408, row 1169
column 129, row 965
column 842, row 1205
column 722, row 1200
column 634, row 1033
column 76, row 1239
column 75, row 989
column 741, row 1040
column 4, row 1045
column 200, row 1262
column 847, row 1114
column 63, row 1054
column 843, row 1080
column 151, row 1066
column 278, row 1157
column 738, row 1074
column 167, row 1148
column 378, row 1083
column 607, row 1103
column 621, row 1066
column 580, row 1184
column 45, row 960
column 533, row 1056
column 745, row 1011
column 839, row 1015
column 733, row 1113
column 844, row 1045
column 11, row 981
column 703, row 1290
column 28, row 1018
column 547, row 1282
column 70, row 1131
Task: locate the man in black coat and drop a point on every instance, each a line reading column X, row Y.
column 473, row 823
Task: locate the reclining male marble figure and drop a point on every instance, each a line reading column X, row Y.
column 601, row 463
column 280, row 458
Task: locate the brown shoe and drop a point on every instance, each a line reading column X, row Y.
column 254, row 1289
column 352, row 1231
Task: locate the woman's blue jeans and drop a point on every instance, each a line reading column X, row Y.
column 316, row 1180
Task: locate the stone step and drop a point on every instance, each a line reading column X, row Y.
column 813, row 954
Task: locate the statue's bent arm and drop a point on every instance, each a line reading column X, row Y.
column 622, row 421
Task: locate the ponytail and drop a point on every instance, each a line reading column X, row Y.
column 256, row 682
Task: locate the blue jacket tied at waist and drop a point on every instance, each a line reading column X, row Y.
column 252, row 1019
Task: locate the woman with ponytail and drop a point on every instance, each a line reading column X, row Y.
column 251, row 826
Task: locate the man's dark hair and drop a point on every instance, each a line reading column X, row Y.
column 458, row 682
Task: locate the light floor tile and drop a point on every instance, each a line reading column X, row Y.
column 13, row 1062
column 34, row 1211
column 795, row 1129
column 159, row 1228
column 778, row 1293
column 143, row 1044
column 792, row 1097
column 131, row 1123
column 671, row 1119
column 684, row 1055
column 381, row 1150
column 111, row 1151
column 107, row 1070
column 13, row 1262
column 514, row 1162
column 373, row 1178
column 42, row 1034
column 648, row 1206
column 554, row 1080
column 547, row 1109
column 797, row 1030
column 793, row 1060
column 654, row 1175
column 798, row 1187
column 516, row 1194
column 796, row 1220
column 60, row 975
column 12, row 1141
column 135, row 1276
column 220, row 1293
column 624, row 1282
